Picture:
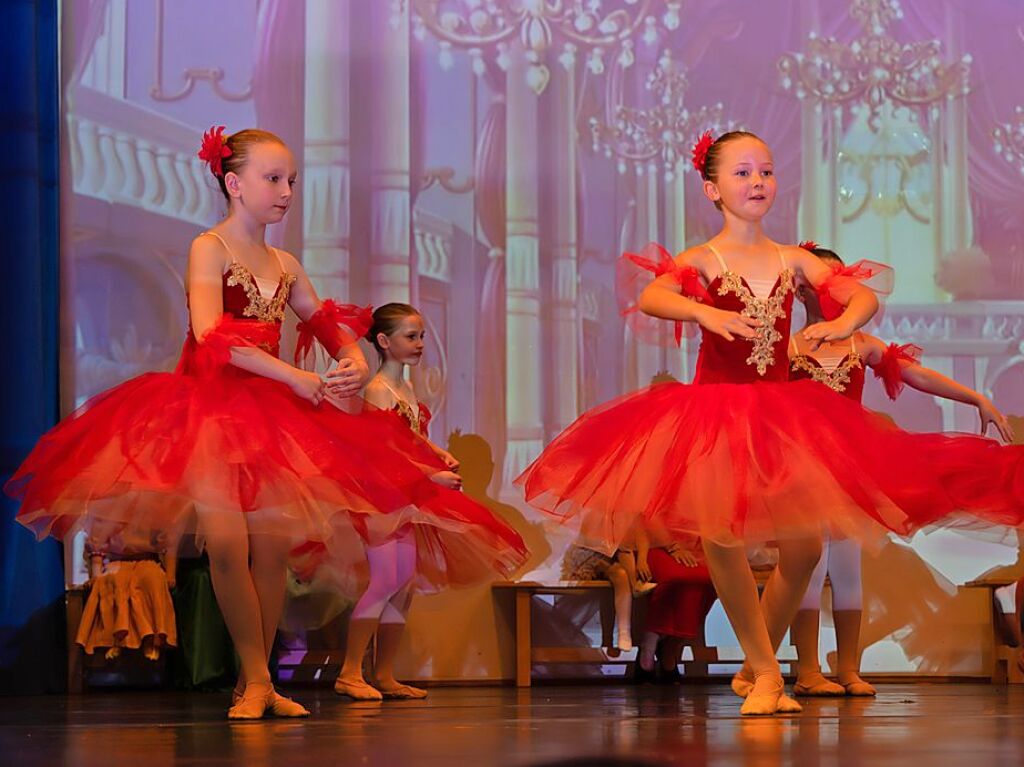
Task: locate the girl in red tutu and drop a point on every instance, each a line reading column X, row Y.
column 842, row 368
column 451, row 541
column 234, row 446
column 742, row 456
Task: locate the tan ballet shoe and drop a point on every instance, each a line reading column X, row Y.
column 403, row 692
column 764, row 696
column 815, row 685
column 286, row 708
column 856, row 687
column 280, row 706
column 742, row 683
column 253, row 703
column 358, row 690
column 788, row 706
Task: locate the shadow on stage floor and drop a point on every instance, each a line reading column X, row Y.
column 911, row 724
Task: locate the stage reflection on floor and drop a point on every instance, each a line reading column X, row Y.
column 909, row 724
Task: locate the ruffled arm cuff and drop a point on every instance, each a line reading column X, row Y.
column 890, row 368
column 636, row 271
column 834, row 293
column 335, row 326
column 213, row 351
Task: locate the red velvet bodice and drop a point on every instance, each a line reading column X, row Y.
column 847, row 378
column 748, row 361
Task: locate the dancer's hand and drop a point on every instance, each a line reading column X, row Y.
column 683, row 556
column 991, row 415
column 822, row 332
column 307, row 385
column 643, row 569
column 449, row 460
column 727, row 324
column 448, row 479
column 346, row 379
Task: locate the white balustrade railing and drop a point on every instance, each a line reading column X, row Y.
column 126, row 154
column 961, row 327
column 433, row 236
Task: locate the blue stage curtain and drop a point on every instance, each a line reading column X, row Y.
column 32, row 627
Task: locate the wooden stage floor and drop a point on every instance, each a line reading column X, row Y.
column 920, row 725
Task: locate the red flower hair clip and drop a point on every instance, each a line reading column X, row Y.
column 810, row 245
column 214, row 149
column 700, row 151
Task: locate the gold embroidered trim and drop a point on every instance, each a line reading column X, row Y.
column 260, row 308
column 767, row 310
column 837, row 380
column 405, row 410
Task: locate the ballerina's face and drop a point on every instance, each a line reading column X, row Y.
column 405, row 344
column 744, row 180
column 265, row 183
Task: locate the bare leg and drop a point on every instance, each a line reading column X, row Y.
column 269, row 569
column 848, row 649
column 804, row 631
column 786, row 588
column 648, row 647
column 385, row 582
column 844, row 569
column 350, row 681
column 619, row 579
column 737, row 591
column 628, row 561
column 227, row 544
column 671, row 653
column 392, row 626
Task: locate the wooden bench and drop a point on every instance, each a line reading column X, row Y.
column 527, row 655
column 1004, row 656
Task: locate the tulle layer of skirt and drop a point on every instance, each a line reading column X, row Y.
column 761, row 462
column 167, row 454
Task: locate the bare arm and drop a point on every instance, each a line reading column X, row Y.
column 643, row 549
column 662, row 299
column 352, row 370
column 933, row 382
column 207, row 262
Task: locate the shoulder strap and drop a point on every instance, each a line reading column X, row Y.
column 280, row 262
column 721, row 261
column 853, row 344
column 782, row 256
column 794, row 347
column 222, row 242
column 397, row 395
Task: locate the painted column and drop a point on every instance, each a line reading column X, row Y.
column 326, row 176
column 676, row 358
column 523, row 351
column 391, row 268
column 563, row 375
column 650, row 356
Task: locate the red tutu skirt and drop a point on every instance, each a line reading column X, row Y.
column 761, row 462
column 166, row 455
column 172, row 454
